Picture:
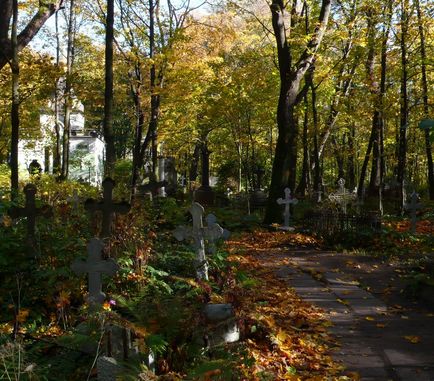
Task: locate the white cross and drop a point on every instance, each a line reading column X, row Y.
column 95, row 266
column 287, row 201
column 199, row 233
column 342, row 197
column 413, row 207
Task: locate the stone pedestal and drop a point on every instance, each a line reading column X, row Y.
column 204, row 195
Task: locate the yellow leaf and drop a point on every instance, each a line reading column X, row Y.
column 412, row 339
column 369, row 318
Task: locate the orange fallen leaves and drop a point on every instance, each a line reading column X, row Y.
column 290, row 338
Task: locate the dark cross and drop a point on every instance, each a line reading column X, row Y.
column 153, row 187
column 107, row 207
column 31, row 212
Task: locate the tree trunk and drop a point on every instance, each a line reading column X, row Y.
column 136, row 81
column 305, row 172
column 402, row 146
column 68, row 90
column 317, row 178
column 44, row 12
column 423, row 58
column 291, row 75
column 57, row 150
column 15, row 116
column 108, row 96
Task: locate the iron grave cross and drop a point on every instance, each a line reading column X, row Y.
column 95, row 267
column 107, row 207
column 31, row 212
column 287, row 201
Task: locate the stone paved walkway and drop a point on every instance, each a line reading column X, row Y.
column 379, row 340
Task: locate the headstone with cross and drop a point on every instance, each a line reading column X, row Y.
column 287, row 201
column 214, row 233
column 413, row 206
column 342, row 197
column 31, row 212
column 199, row 234
column 95, row 266
column 107, row 207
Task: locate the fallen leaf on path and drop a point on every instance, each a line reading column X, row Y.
column 412, row 339
column 370, row 318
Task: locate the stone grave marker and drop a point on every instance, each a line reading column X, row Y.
column 153, row 187
column 287, row 201
column 214, row 233
column 107, row 207
column 413, row 206
column 342, row 197
column 95, row 266
column 199, row 233
column 31, row 212
column 74, row 200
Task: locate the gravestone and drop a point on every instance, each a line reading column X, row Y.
column 413, row 206
column 222, row 327
column 107, row 207
column 95, row 266
column 199, row 234
column 258, row 198
column 342, row 197
column 287, row 201
column 74, row 200
column 215, row 233
column 31, row 212
column 204, row 194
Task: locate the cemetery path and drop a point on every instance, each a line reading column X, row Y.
column 382, row 335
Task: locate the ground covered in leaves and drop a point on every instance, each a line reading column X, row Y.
column 286, row 336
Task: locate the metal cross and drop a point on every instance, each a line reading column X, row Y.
column 31, row 212
column 107, row 207
column 95, row 267
column 287, row 201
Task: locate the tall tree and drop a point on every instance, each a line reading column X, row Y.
column 43, row 13
column 404, row 107
column 108, row 96
column 15, row 115
column 424, row 79
column 71, row 22
column 292, row 73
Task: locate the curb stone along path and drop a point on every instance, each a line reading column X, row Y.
column 375, row 342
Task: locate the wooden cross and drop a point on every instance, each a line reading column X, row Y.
column 31, row 212
column 95, row 267
column 413, row 207
column 214, row 232
column 107, row 207
column 287, row 201
column 198, row 233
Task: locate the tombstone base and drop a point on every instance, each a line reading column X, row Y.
column 258, row 199
column 286, row 228
column 107, row 368
column 204, row 196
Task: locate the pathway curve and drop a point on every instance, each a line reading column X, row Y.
column 379, row 338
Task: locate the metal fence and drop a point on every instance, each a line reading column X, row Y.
column 331, row 222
